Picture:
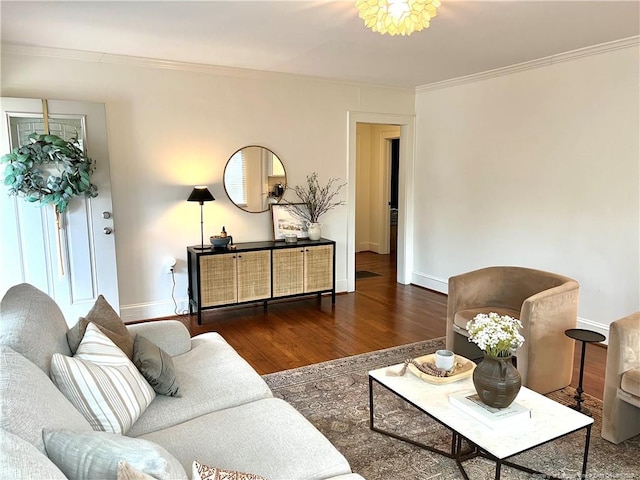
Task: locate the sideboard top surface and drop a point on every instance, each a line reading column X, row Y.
column 265, row 245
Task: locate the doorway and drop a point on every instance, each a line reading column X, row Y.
column 377, row 200
column 379, row 240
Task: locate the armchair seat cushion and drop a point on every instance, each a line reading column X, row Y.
column 631, row 382
column 462, row 317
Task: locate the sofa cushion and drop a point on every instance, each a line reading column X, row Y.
column 156, row 366
column 104, row 316
column 32, row 324
column 19, row 460
column 267, row 437
column 93, row 455
column 212, row 377
column 30, row 401
column 631, row 382
column 204, row 472
column 102, row 383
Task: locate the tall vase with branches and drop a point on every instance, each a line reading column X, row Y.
column 315, row 201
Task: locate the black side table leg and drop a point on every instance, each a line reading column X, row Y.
column 578, row 397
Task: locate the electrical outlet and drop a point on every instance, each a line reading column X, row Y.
column 170, row 264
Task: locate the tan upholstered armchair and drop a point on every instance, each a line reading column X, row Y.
column 545, row 303
column 621, row 401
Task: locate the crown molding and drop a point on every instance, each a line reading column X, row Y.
column 116, row 59
column 532, row 64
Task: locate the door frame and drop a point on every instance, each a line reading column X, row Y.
column 405, row 191
column 384, row 240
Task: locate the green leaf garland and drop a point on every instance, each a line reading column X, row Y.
column 24, row 178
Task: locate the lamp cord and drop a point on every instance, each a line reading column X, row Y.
column 173, row 290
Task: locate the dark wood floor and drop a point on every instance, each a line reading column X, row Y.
column 380, row 314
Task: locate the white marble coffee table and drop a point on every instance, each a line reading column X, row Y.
column 549, row 420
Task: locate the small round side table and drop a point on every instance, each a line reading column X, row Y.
column 585, row 336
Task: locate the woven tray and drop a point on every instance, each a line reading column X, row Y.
column 464, row 370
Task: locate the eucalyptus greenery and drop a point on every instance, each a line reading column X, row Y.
column 316, row 199
column 24, row 176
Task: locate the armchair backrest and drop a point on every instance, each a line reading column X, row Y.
column 503, row 286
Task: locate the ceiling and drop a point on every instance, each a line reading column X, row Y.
column 323, row 38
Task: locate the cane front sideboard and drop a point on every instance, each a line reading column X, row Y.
column 259, row 272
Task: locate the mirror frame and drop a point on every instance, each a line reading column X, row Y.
column 269, row 194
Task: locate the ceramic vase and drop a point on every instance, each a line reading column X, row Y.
column 314, row 230
column 497, row 381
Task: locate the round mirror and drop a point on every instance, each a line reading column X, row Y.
column 254, row 178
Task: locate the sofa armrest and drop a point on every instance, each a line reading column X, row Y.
column 170, row 335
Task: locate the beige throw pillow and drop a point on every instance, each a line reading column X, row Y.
column 108, row 321
column 127, row 472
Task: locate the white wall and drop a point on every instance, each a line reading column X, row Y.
column 537, row 168
column 172, row 128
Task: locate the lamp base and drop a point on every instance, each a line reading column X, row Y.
column 201, row 248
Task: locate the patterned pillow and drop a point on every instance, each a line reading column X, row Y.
column 156, row 366
column 203, row 472
column 102, row 383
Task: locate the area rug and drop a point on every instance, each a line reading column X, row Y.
column 334, row 397
column 366, row 274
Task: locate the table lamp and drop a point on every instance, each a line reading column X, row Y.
column 201, row 194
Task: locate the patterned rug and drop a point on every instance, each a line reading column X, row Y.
column 334, row 397
column 366, row 274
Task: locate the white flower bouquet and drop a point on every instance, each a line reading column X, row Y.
column 497, row 335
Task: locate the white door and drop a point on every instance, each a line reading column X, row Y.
column 82, row 265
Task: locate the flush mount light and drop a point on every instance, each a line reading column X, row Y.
column 397, row 17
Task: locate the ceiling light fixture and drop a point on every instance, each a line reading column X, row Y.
column 397, row 17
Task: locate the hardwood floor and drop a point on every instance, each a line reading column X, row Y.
column 380, row 314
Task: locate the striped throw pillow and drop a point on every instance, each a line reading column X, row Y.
column 102, row 383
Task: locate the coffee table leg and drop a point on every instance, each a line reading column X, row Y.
column 586, row 452
column 371, row 403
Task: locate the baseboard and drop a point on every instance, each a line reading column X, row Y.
column 429, row 281
column 587, row 324
column 369, row 247
column 146, row 311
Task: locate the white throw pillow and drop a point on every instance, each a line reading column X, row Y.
column 102, row 383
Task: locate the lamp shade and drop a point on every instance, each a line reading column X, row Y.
column 200, row 194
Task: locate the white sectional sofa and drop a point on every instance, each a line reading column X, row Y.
column 226, row 416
